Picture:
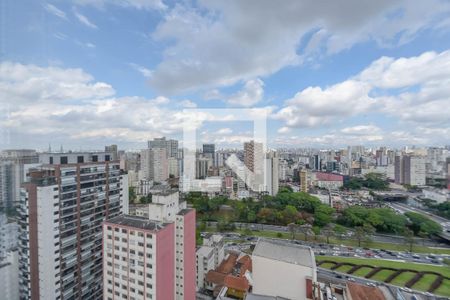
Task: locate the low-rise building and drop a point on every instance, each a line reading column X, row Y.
column 232, row 278
column 283, row 269
column 209, row 255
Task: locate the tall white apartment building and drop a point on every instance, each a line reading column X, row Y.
column 172, row 164
column 151, row 256
column 171, row 146
column 154, row 164
column 271, row 173
column 64, row 202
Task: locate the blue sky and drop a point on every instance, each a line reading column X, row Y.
column 85, row 73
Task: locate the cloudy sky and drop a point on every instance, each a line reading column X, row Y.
column 85, row 73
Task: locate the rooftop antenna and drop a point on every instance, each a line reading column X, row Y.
column 61, row 150
column 49, row 148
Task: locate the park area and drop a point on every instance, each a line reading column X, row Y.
column 422, row 277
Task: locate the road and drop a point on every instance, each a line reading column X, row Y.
column 235, row 243
column 381, row 238
column 442, row 221
column 326, row 275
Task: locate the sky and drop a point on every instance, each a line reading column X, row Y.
column 327, row 74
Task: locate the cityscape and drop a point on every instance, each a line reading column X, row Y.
column 224, row 150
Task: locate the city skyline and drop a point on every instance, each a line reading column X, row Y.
column 326, row 77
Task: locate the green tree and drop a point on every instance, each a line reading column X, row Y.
column 422, row 224
column 131, row 194
column 409, row 239
column 251, row 216
column 328, row 232
column 323, row 215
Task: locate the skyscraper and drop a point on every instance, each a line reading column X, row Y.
column 208, row 151
column 154, row 164
column 171, row 146
column 12, row 173
column 271, row 174
column 410, row 170
column 253, row 156
column 63, row 205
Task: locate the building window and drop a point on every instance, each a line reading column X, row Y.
column 94, row 158
column 80, row 159
column 63, row 160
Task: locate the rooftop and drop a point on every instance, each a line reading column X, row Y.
column 251, row 296
column 204, row 250
column 184, row 211
column 362, row 292
column 285, row 251
column 137, row 222
column 231, row 272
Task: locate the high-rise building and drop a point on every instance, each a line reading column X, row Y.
column 151, row 256
column 209, row 151
column 63, row 204
column 271, row 174
column 253, row 156
column 448, row 172
column 154, row 164
column 410, row 170
column 172, row 164
column 112, row 149
column 303, row 175
column 202, row 165
column 171, row 146
column 12, row 164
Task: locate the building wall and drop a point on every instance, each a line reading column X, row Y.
column 9, row 276
column 63, row 214
column 165, row 263
column 189, row 256
column 48, row 241
column 278, row 278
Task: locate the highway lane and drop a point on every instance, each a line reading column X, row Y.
column 440, row 220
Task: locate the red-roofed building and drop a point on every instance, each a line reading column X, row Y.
column 230, row 277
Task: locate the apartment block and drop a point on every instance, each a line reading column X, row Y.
column 139, row 259
column 63, row 204
column 410, row 170
column 169, row 231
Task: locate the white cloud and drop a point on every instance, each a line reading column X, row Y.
column 84, row 20
column 21, row 84
column 315, row 106
column 284, row 129
column 251, row 94
column 144, row 71
column 218, row 43
column 188, row 104
column 361, row 130
column 422, row 95
column 388, row 72
column 137, row 4
column 224, row 131
column 55, row 11
column 57, row 104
